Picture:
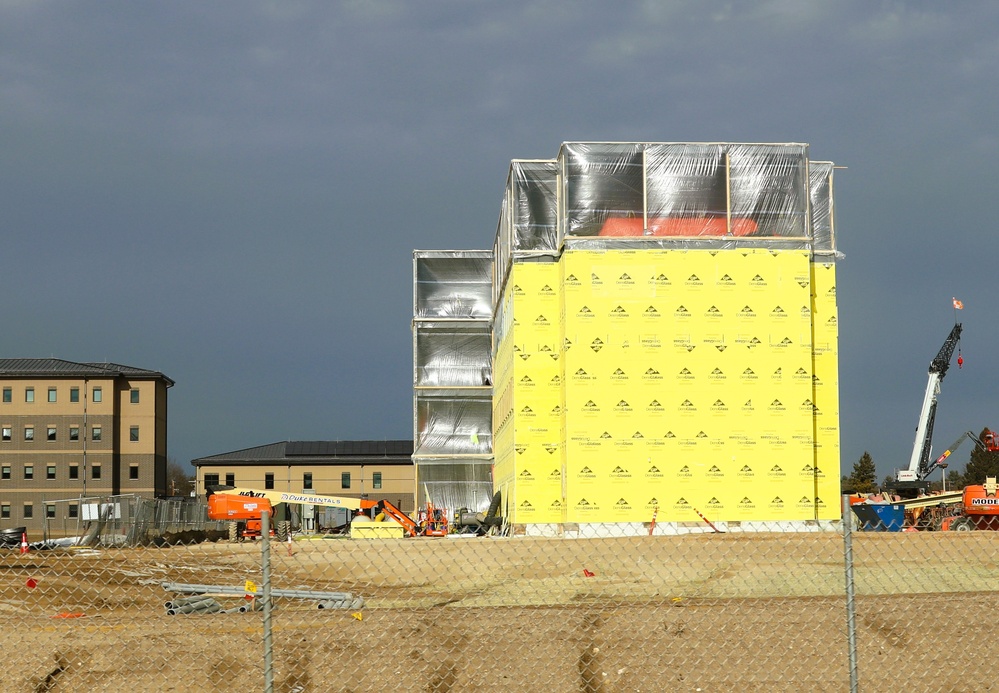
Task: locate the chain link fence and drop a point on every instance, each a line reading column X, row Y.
column 687, row 608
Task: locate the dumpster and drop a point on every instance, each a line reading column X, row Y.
column 880, row 518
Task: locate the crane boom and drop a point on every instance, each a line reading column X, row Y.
column 919, row 463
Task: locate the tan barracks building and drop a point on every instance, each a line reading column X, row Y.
column 73, row 430
column 374, row 469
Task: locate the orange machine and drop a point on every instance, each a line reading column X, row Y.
column 243, row 510
column 678, row 226
column 244, row 506
column 981, row 505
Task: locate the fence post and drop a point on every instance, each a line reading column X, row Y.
column 265, row 559
column 851, row 607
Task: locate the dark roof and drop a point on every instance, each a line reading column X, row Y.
column 316, row 452
column 70, row 369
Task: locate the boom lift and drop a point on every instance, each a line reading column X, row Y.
column 941, row 461
column 244, row 506
column 911, row 481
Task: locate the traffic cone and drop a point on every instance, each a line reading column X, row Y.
column 24, row 543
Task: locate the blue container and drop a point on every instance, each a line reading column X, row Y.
column 880, row 518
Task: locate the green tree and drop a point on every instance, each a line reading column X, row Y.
column 982, row 464
column 955, row 480
column 863, row 477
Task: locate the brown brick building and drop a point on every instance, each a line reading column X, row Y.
column 76, row 430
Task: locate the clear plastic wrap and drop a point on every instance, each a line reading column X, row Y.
column 534, row 188
column 684, row 191
column 454, row 483
column 821, row 187
column 453, row 422
column 528, row 223
column 769, row 187
column 600, row 181
column 453, row 284
column 453, row 354
column 686, row 182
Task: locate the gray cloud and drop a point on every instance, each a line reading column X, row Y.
column 230, row 192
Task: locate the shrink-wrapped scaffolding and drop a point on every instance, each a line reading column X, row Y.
column 821, row 178
column 684, row 194
column 452, row 376
column 600, row 181
column 453, row 423
column 452, row 354
column 533, row 192
column 528, row 223
column 455, row 483
column 453, row 284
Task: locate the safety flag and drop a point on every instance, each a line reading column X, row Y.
column 958, row 305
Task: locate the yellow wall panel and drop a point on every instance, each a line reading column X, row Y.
column 677, row 379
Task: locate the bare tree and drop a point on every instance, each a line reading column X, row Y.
column 180, row 481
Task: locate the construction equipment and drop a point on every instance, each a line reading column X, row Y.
column 469, row 522
column 244, row 507
column 942, row 462
column 910, row 482
column 974, row 507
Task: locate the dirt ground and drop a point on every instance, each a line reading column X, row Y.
column 708, row 612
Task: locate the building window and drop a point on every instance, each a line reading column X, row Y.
column 29, row 394
column 5, row 472
column 133, row 434
column 307, row 481
column 74, row 432
column 95, row 434
column 52, row 394
column 50, row 471
column 74, row 471
column 7, row 432
column 5, row 511
column 8, row 394
column 376, row 480
column 133, row 396
column 230, row 479
column 29, row 511
column 269, row 481
column 95, row 472
column 49, row 511
column 29, row 432
column 74, row 394
column 50, row 433
column 97, row 395
column 344, row 479
column 211, row 480
column 29, row 471
column 133, row 472
column 72, row 511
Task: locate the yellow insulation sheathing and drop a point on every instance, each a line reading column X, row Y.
column 669, row 379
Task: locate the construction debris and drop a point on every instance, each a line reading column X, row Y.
column 202, row 603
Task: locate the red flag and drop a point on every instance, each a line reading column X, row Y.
column 958, row 305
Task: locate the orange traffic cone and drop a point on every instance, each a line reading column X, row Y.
column 24, row 542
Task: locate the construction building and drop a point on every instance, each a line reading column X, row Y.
column 73, row 431
column 663, row 340
column 375, row 469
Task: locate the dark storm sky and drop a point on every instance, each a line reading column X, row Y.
column 230, row 192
